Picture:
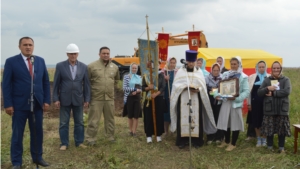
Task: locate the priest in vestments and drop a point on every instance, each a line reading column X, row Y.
column 202, row 118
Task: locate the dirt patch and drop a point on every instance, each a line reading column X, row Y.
column 119, row 103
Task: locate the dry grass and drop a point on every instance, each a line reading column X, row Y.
column 130, row 152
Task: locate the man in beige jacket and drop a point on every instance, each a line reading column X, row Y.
column 104, row 76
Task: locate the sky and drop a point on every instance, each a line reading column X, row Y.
column 269, row 25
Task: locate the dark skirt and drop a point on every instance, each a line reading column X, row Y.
column 276, row 125
column 167, row 117
column 196, row 141
column 250, row 130
column 257, row 108
column 133, row 108
column 148, row 118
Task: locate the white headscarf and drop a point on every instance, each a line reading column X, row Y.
column 223, row 62
column 232, row 73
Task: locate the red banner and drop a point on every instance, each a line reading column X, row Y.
column 163, row 41
column 194, row 40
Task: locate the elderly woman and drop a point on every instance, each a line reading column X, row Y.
column 201, row 63
column 212, row 83
column 276, row 90
column 158, row 97
column 132, row 98
column 221, row 62
column 231, row 118
column 255, row 102
column 169, row 73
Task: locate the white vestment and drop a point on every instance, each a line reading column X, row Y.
column 196, row 80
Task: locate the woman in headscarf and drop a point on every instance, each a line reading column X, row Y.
column 231, row 118
column 255, row 102
column 221, row 62
column 201, row 63
column 212, row 83
column 132, row 98
column 158, row 96
column 276, row 90
column 169, row 74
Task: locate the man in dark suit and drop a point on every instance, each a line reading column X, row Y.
column 16, row 89
column 71, row 91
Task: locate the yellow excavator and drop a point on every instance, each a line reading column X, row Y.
column 124, row 61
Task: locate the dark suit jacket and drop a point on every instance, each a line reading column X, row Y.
column 69, row 91
column 16, row 84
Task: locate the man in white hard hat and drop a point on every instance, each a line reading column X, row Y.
column 104, row 76
column 71, row 91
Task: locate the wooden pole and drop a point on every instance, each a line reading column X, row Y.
column 151, row 80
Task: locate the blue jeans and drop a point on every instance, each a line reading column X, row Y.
column 64, row 119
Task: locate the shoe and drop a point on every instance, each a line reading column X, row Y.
column 230, row 147
column 149, row 139
column 248, row 138
column 223, row 144
column 158, row 139
column 91, row 143
column 209, row 142
column 63, row 148
column 258, row 143
column 263, row 142
column 82, row 146
column 196, row 146
column 218, row 142
column 281, row 151
column 16, row 167
column 130, row 133
column 270, row 148
column 41, row 163
column 133, row 134
column 181, row 146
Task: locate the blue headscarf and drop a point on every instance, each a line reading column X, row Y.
column 205, row 72
column 261, row 76
column 135, row 79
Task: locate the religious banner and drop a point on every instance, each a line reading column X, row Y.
column 143, row 55
column 163, row 40
column 194, row 40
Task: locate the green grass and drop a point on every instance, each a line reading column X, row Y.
column 129, row 152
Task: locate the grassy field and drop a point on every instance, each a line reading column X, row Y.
column 130, row 152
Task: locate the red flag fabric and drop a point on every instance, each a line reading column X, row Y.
column 194, row 40
column 163, row 41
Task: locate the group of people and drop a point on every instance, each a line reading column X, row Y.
column 76, row 86
column 183, row 97
column 219, row 117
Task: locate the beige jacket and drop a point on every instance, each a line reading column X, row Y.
column 103, row 80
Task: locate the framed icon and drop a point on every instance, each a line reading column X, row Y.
column 229, row 87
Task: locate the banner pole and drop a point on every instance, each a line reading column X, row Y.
column 151, row 79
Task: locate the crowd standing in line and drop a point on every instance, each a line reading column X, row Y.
column 78, row 86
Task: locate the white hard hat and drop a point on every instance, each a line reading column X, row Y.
column 72, row 48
